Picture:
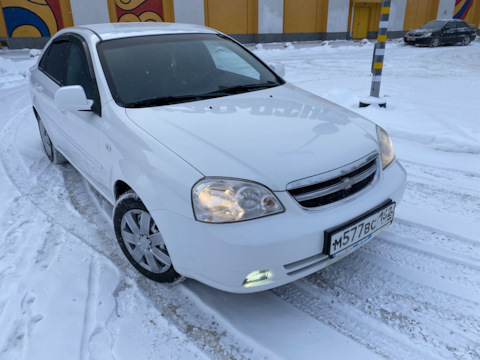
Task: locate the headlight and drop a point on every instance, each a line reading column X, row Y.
column 386, row 147
column 426, row 34
column 226, row 200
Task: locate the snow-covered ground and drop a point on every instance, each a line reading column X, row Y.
column 67, row 292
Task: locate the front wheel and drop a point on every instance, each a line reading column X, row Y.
column 141, row 240
column 466, row 40
column 435, row 42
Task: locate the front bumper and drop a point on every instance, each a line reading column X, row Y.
column 289, row 244
column 424, row 41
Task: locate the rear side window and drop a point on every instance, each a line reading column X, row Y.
column 450, row 26
column 55, row 64
column 461, row 24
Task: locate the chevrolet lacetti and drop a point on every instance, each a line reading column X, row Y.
column 217, row 168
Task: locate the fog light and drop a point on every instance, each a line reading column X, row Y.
column 255, row 277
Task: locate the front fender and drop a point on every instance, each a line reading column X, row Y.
column 161, row 178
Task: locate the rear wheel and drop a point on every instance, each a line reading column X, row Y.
column 52, row 153
column 435, row 42
column 466, row 40
column 141, row 240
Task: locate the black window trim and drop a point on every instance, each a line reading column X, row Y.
column 60, row 39
column 73, row 37
column 97, row 105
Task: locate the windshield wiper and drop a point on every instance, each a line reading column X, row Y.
column 169, row 100
column 163, row 100
column 243, row 88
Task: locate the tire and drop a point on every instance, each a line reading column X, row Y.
column 52, row 153
column 141, row 241
column 466, row 40
column 435, row 42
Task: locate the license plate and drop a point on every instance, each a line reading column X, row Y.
column 410, row 38
column 359, row 231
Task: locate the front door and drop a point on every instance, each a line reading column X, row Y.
column 81, row 127
column 361, row 21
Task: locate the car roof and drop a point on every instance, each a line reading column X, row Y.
column 110, row 31
column 448, row 20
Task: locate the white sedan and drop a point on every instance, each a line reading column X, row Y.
column 217, row 168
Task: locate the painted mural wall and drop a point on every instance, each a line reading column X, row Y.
column 43, row 18
column 137, row 10
column 468, row 10
column 34, row 18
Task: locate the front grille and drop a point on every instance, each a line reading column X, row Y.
column 341, row 184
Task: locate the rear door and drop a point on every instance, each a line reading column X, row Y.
column 49, row 77
column 462, row 30
column 449, row 33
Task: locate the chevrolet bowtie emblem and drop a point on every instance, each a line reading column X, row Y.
column 347, row 183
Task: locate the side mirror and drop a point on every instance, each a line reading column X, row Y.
column 278, row 68
column 72, row 98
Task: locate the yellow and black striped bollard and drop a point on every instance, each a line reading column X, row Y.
column 378, row 56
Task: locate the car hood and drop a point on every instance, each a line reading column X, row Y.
column 273, row 136
column 423, row 31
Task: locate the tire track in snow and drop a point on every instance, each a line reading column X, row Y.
column 59, row 192
column 393, row 314
column 427, row 314
column 327, row 308
column 22, row 258
column 435, row 241
column 443, row 174
column 391, row 247
column 449, row 202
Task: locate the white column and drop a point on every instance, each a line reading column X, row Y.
column 445, row 9
column 89, row 12
column 270, row 16
column 189, row 11
column 338, row 16
column 397, row 15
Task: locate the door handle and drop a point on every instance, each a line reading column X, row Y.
column 38, row 86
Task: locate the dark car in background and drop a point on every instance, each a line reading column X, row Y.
column 439, row 32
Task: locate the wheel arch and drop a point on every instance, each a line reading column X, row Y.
column 119, row 188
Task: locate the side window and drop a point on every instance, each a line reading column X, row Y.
column 450, row 26
column 461, row 25
column 42, row 65
column 54, row 62
column 78, row 72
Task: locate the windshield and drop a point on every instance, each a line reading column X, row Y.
column 169, row 69
column 435, row 24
